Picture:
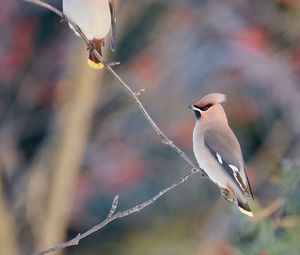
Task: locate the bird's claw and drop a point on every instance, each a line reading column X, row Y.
column 226, row 195
column 90, row 47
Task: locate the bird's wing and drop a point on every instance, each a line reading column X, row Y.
column 113, row 30
column 226, row 150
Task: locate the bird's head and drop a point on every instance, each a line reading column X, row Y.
column 209, row 108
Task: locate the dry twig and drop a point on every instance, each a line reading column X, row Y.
column 164, row 139
column 113, row 216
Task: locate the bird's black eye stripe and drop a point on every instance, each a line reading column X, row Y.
column 206, row 107
column 196, row 107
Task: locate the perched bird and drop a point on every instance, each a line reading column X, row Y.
column 95, row 18
column 218, row 151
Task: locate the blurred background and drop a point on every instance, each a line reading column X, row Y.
column 71, row 139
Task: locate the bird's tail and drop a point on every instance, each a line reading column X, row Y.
column 93, row 61
column 244, row 207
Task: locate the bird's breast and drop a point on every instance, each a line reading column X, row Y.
column 92, row 16
column 206, row 161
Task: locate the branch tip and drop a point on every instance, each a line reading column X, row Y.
column 113, row 206
column 116, row 200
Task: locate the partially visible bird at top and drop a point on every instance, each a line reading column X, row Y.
column 95, row 18
column 218, row 151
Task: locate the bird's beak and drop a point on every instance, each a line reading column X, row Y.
column 192, row 107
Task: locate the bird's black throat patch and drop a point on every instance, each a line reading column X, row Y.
column 197, row 114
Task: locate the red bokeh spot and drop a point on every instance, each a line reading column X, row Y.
column 254, row 38
column 145, row 68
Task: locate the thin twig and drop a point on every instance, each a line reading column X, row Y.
column 113, row 216
column 164, row 139
column 114, row 207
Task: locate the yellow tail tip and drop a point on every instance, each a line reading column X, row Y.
column 94, row 65
column 250, row 214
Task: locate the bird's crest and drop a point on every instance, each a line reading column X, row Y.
column 211, row 99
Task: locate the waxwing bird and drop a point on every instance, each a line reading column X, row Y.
column 218, row 151
column 95, row 18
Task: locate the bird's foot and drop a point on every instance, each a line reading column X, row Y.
column 90, row 47
column 226, row 195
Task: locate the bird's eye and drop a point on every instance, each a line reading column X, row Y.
column 206, row 107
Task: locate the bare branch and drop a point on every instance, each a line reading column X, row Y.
column 113, row 207
column 47, row 6
column 113, row 216
column 163, row 137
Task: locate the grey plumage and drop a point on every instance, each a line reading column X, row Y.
column 218, row 152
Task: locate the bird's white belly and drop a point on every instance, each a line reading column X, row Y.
column 92, row 16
